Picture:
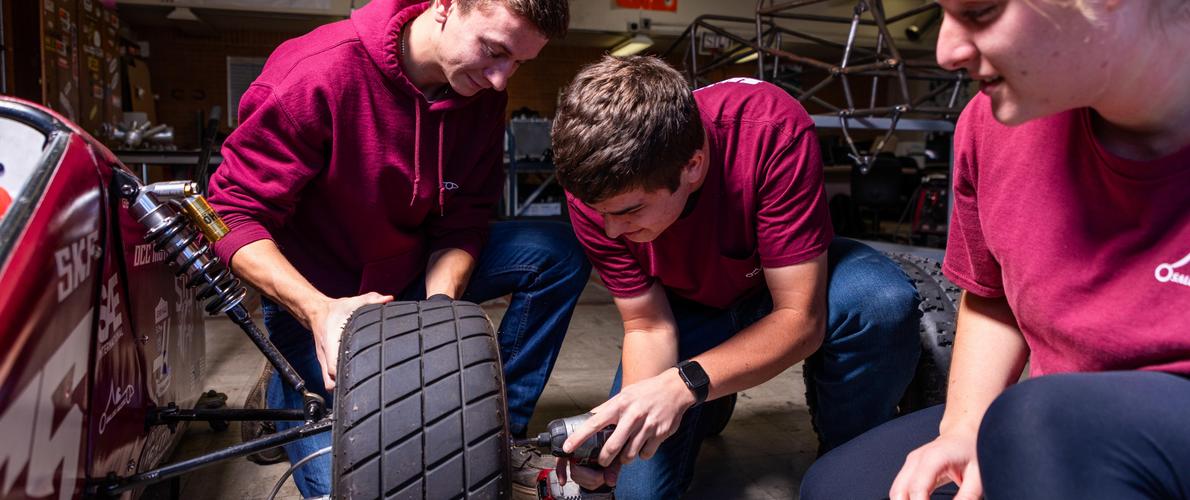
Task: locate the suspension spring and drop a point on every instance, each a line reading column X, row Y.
column 174, row 234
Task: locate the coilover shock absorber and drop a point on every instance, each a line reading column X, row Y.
column 181, row 224
column 171, row 211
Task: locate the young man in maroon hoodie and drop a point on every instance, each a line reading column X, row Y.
column 366, row 166
column 705, row 214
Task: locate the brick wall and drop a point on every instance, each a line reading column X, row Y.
column 538, row 82
column 189, row 73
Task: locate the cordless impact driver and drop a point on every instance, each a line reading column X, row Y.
column 587, row 452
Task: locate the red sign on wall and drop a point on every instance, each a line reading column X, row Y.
column 668, row 5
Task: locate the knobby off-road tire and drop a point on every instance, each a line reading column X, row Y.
column 939, row 306
column 420, row 410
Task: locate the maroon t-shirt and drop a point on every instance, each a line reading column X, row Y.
column 1091, row 250
column 762, row 204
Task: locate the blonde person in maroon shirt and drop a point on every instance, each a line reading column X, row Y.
column 1071, row 238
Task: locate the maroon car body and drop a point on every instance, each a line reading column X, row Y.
column 95, row 330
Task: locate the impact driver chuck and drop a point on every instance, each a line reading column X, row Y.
column 586, row 454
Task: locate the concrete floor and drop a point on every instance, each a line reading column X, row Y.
column 761, row 455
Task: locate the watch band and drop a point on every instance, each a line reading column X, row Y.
column 696, row 380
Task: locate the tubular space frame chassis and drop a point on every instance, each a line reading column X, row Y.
column 856, row 63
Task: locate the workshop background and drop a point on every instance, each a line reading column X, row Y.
column 159, row 80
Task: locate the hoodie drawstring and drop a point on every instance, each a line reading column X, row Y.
column 441, row 180
column 417, row 159
column 416, row 151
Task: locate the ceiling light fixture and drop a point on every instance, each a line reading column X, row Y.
column 182, row 14
column 634, row 45
column 747, row 57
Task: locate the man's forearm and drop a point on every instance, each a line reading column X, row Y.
column 762, row 351
column 448, row 272
column 650, row 335
column 647, row 353
column 262, row 265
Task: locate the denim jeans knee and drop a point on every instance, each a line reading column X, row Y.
column 871, row 348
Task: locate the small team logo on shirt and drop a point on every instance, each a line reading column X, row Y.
column 1168, row 273
column 753, row 273
column 450, row 186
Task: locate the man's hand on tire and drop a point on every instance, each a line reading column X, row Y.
column 327, row 324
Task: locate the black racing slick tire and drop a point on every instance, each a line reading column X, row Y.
column 420, row 410
column 939, row 307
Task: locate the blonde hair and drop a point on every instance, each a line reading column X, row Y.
column 1084, row 7
column 1163, row 12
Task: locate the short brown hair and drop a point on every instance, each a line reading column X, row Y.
column 625, row 123
column 551, row 17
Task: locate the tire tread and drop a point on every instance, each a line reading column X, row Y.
column 425, row 423
column 939, row 307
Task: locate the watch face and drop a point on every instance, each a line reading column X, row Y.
column 694, row 375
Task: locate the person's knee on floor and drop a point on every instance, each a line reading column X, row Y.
column 870, row 351
column 874, row 296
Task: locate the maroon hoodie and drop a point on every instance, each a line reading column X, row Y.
column 342, row 162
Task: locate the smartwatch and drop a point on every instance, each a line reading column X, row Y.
column 696, row 380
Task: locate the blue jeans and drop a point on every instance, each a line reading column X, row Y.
column 539, row 262
column 1109, row 435
column 855, row 380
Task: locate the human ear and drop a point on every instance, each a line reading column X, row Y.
column 694, row 169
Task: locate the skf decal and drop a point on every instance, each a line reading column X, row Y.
column 75, row 263
column 39, row 436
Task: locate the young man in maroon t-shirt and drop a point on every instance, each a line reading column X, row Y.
column 705, row 214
